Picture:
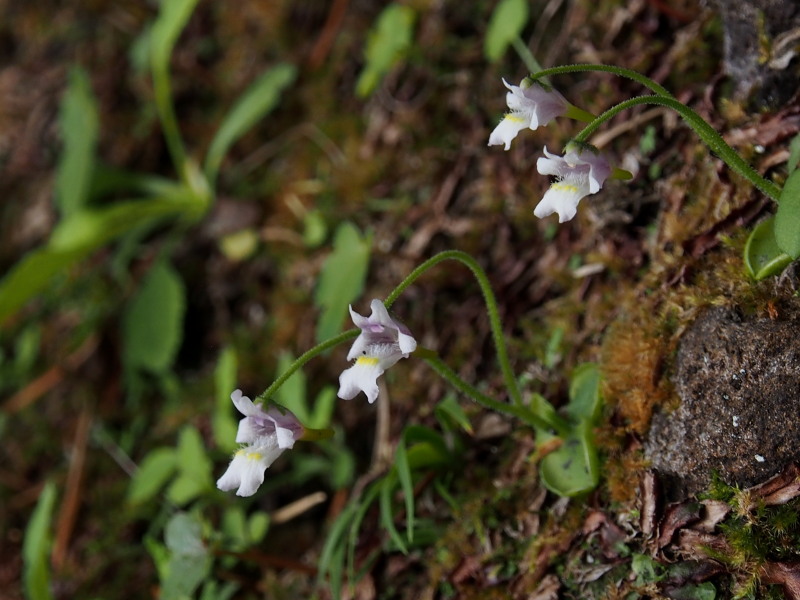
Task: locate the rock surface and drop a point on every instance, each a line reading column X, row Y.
column 760, row 38
column 739, row 384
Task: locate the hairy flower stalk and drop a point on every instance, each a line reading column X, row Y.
column 579, row 173
column 381, row 343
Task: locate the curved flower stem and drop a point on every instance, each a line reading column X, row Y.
column 619, row 71
column 304, row 358
column 491, row 309
column 708, row 134
column 523, row 413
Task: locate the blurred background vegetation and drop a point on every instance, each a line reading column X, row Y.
column 362, row 153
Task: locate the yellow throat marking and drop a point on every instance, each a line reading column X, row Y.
column 564, row 187
column 367, row 361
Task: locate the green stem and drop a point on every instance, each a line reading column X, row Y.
column 619, row 71
column 708, row 134
column 573, row 112
column 316, row 435
column 526, row 55
column 304, row 358
column 491, row 309
column 523, row 413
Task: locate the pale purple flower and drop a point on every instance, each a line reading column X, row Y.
column 529, row 107
column 266, row 435
column 259, row 423
column 578, row 173
column 381, row 343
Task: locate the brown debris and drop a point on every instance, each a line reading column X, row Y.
column 784, row 574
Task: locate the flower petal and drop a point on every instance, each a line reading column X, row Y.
column 361, row 377
column 561, row 198
column 380, row 315
column 246, row 470
column 508, row 128
column 243, row 404
column 407, row 343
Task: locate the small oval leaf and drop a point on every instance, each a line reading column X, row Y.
column 762, row 256
column 787, row 219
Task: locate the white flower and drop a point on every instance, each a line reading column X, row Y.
column 247, row 468
column 381, row 343
column 266, row 435
column 579, row 172
column 530, row 106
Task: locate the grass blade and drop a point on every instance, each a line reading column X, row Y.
column 406, row 484
column 79, row 129
column 35, row 548
column 256, row 102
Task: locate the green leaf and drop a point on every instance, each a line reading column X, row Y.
column 584, row 394
column 325, row 402
column 342, row 278
column 172, row 18
column 189, row 562
column 234, row 526
column 256, row 102
column 223, row 423
column 244, row 532
column 292, row 394
column 387, row 515
column 388, row 43
column 406, row 484
column 646, row 569
column 212, row 590
column 331, row 560
column 159, row 553
column 413, row 434
column 153, row 321
column 794, row 153
column 194, row 467
column 427, row 455
column 342, row 468
column 541, row 407
column 75, row 237
column 552, row 352
column 31, row 274
column 156, row 469
column 314, row 228
column 363, row 504
column 107, row 181
column 79, row 129
column 257, row 526
column 449, row 413
column 787, row 219
column 762, row 256
column 573, row 468
column 36, row 546
column 700, row 591
column 93, row 228
column 506, row 24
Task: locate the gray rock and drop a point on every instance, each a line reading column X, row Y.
column 760, row 38
column 739, row 384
